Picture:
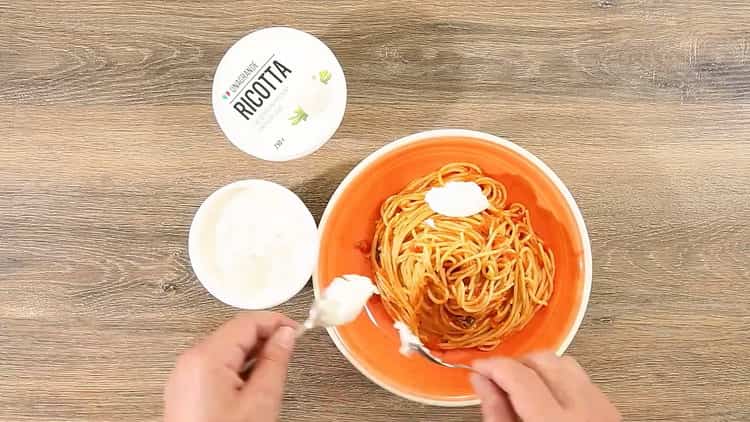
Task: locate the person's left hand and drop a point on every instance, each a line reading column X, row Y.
column 207, row 384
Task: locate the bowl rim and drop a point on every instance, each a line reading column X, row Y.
column 440, row 133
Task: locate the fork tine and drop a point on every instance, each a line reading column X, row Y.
column 434, row 359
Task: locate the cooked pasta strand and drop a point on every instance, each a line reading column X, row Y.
column 468, row 282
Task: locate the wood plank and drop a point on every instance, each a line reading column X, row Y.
column 109, row 146
column 109, row 53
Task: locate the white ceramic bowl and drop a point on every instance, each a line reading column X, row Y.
column 298, row 258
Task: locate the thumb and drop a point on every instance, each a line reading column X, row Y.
column 265, row 385
column 495, row 404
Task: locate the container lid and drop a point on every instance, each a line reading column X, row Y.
column 253, row 244
column 279, row 94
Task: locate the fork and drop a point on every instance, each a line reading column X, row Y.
column 425, row 352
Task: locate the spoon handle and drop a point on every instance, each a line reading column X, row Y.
column 434, row 359
column 298, row 332
column 301, row 329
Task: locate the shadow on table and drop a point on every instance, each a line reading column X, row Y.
column 316, row 191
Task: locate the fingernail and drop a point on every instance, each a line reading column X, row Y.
column 285, row 337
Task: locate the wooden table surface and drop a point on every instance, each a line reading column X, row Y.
column 108, row 146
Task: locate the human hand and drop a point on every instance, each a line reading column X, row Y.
column 207, row 384
column 538, row 388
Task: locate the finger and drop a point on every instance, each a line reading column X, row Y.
column 265, row 386
column 232, row 342
column 594, row 396
column 575, row 368
column 494, row 402
column 561, row 379
column 530, row 397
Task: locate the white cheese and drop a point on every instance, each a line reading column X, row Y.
column 457, row 199
column 341, row 301
column 406, row 337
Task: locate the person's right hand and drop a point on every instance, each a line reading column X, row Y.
column 539, row 388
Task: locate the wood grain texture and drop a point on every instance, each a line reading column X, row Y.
column 108, row 145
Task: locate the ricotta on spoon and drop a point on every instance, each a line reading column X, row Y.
column 341, row 301
column 407, row 338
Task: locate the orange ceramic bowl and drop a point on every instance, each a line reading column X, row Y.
column 370, row 342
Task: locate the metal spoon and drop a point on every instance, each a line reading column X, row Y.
column 425, row 352
column 311, row 322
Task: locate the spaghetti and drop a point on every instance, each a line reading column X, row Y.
column 460, row 282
